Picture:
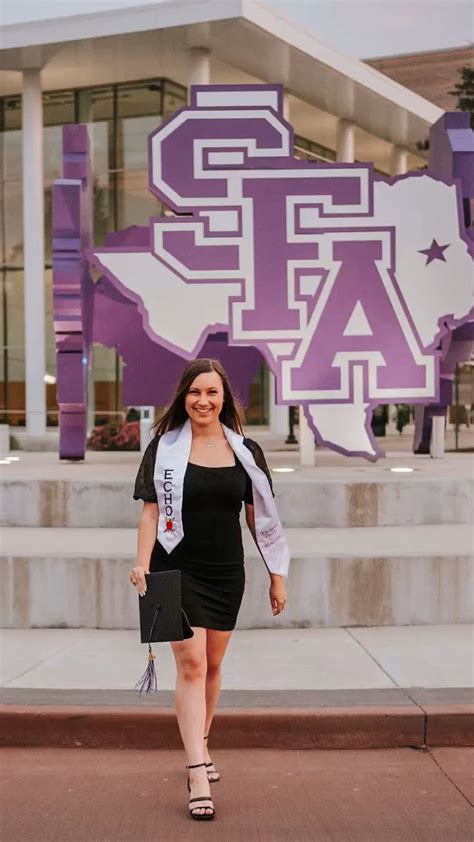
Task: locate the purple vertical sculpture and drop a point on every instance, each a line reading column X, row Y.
column 72, row 290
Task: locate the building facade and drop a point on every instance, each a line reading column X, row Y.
column 432, row 74
column 123, row 73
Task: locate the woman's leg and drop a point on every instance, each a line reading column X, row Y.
column 190, row 699
column 216, row 645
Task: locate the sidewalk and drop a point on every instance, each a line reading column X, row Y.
column 326, row 687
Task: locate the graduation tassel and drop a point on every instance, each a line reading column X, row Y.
column 147, row 682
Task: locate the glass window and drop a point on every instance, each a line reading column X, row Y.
column 174, row 97
column 14, row 339
column 257, row 410
column 12, row 223
column 119, row 119
column 12, row 160
column 12, row 113
column 309, row 150
column 58, row 108
column 96, row 109
column 135, row 203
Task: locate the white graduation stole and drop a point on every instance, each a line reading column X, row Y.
column 170, row 467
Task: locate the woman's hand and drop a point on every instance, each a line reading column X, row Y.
column 137, row 578
column 277, row 594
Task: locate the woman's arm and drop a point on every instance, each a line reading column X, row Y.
column 145, row 543
column 277, row 587
column 250, row 518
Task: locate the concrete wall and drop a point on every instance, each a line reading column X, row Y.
column 322, row 591
column 302, row 503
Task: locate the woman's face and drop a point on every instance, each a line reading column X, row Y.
column 205, row 398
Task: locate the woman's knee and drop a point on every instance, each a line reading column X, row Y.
column 192, row 668
column 213, row 668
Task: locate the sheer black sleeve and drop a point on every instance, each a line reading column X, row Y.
column 248, row 496
column 260, row 461
column 144, row 485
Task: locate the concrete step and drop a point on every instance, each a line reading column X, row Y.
column 38, row 490
column 78, row 577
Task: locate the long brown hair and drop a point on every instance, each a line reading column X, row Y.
column 231, row 413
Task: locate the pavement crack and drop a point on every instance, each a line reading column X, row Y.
column 471, row 803
column 425, row 716
column 41, row 662
column 348, row 630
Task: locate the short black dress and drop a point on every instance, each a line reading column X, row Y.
column 210, row 555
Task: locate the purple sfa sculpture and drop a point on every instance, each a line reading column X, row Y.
column 151, row 371
column 346, row 284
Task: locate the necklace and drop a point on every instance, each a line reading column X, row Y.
column 210, row 444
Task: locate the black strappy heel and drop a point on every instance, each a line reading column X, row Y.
column 203, row 798
column 212, row 771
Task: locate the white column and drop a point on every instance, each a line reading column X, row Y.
column 391, row 428
column 398, row 161
column 199, row 70
column 307, row 444
column 437, row 437
column 278, row 413
column 398, row 166
column 33, row 244
column 345, row 143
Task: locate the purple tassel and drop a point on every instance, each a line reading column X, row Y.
column 147, row 682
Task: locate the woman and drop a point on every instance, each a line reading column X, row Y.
column 192, row 481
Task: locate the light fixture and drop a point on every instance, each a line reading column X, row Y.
column 4, row 461
column 49, row 378
column 12, row 458
column 401, row 470
column 283, row 470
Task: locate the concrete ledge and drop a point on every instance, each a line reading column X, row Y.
column 78, row 578
column 332, row 727
column 304, row 500
column 297, row 728
column 291, row 699
column 451, row 725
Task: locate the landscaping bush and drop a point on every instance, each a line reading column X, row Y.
column 115, row 436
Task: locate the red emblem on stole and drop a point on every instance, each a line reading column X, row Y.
column 169, row 525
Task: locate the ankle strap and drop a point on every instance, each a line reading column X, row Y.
column 195, row 765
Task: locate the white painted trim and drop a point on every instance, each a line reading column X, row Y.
column 187, row 12
column 359, row 72
column 117, row 22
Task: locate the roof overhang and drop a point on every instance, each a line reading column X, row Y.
column 244, row 34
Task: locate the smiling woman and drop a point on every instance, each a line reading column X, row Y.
column 193, row 478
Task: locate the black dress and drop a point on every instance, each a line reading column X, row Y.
column 210, row 555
